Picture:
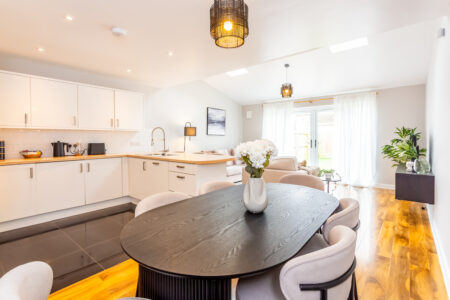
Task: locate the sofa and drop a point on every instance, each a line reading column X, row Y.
column 233, row 168
column 281, row 166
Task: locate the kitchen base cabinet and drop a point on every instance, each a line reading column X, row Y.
column 59, row 185
column 17, row 184
column 103, row 180
column 147, row 177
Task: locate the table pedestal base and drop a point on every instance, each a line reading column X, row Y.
column 159, row 286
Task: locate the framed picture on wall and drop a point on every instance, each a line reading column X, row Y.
column 216, row 121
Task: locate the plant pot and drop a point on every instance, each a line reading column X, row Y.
column 328, row 176
column 409, row 166
column 255, row 195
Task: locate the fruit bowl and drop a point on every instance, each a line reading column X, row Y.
column 31, row 153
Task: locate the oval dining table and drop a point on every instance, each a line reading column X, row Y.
column 193, row 248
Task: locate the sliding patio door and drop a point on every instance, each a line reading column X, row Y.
column 314, row 136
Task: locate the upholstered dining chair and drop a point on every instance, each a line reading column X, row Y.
column 305, row 180
column 347, row 214
column 31, row 281
column 325, row 273
column 213, row 186
column 158, row 200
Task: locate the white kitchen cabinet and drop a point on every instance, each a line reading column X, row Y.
column 183, row 183
column 59, row 185
column 53, row 104
column 17, row 185
column 95, row 108
column 14, row 100
column 103, row 179
column 147, row 177
column 129, row 110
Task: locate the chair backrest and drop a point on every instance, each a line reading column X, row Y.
column 305, row 180
column 213, row 186
column 347, row 214
column 31, row 281
column 321, row 266
column 158, row 200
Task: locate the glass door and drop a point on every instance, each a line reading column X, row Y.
column 314, row 136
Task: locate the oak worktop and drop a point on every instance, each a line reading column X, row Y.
column 188, row 158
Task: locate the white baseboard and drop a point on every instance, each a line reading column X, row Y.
column 51, row 216
column 443, row 259
column 385, row 186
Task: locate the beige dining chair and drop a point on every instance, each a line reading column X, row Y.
column 213, row 186
column 325, row 273
column 31, row 281
column 346, row 214
column 305, row 180
column 158, row 200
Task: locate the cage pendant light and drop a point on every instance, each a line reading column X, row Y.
column 286, row 88
column 229, row 23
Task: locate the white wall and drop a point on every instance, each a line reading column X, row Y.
column 169, row 108
column 438, row 125
column 401, row 106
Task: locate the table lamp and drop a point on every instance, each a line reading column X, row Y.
column 189, row 131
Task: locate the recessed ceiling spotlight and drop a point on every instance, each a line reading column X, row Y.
column 128, row 70
column 237, row 72
column 170, row 53
column 119, row 31
column 349, row 45
column 69, row 18
column 40, row 49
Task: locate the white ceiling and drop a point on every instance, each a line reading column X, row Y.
column 394, row 58
column 277, row 28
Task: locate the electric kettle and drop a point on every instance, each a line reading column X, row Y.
column 59, row 150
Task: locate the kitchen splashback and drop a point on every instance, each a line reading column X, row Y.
column 116, row 142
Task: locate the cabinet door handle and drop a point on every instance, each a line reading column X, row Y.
column 117, row 123
column 181, row 177
column 180, row 167
column 75, row 120
column 31, row 172
column 144, row 167
column 112, row 122
column 81, row 168
column 88, row 167
column 26, row 118
column 155, row 163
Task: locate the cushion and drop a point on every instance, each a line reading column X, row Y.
column 234, row 170
column 265, row 286
column 284, row 163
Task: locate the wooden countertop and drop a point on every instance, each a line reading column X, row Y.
column 188, row 158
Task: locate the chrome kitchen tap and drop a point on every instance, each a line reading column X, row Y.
column 164, row 138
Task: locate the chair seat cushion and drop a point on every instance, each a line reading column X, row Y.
column 266, row 286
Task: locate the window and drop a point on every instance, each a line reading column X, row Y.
column 314, row 135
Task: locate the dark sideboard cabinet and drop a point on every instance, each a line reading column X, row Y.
column 414, row 187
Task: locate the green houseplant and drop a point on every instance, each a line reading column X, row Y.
column 403, row 148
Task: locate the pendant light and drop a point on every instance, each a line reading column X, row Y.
column 286, row 88
column 229, row 23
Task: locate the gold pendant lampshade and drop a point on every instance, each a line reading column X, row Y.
column 229, row 23
column 286, row 88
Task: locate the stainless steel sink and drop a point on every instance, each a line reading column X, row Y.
column 162, row 154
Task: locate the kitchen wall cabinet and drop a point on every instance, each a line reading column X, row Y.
column 103, row 180
column 95, row 108
column 17, row 184
column 147, row 177
column 14, row 101
column 129, row 109
column 59, row 185
column 53, row 104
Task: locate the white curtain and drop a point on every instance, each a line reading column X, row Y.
column 278, row 126
column 355, row 138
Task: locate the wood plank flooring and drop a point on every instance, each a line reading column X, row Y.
column 396, row 255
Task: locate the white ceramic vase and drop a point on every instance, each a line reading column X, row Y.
column 255, row 195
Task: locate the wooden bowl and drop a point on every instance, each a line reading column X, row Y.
column 31, row 154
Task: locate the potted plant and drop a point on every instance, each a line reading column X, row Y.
column 256, row 155
column 403, row 149
column 328, row 173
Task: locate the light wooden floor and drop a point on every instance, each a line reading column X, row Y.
column 396, row 255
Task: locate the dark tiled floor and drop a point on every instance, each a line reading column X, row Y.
column 73, row 251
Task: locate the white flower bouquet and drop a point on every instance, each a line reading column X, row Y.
column 256, row 155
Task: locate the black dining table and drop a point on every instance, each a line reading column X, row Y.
column 192, row 249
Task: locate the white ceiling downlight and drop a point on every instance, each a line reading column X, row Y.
column 69, row 18
column 118, row 31
column 237, row 72
column 357, row 43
